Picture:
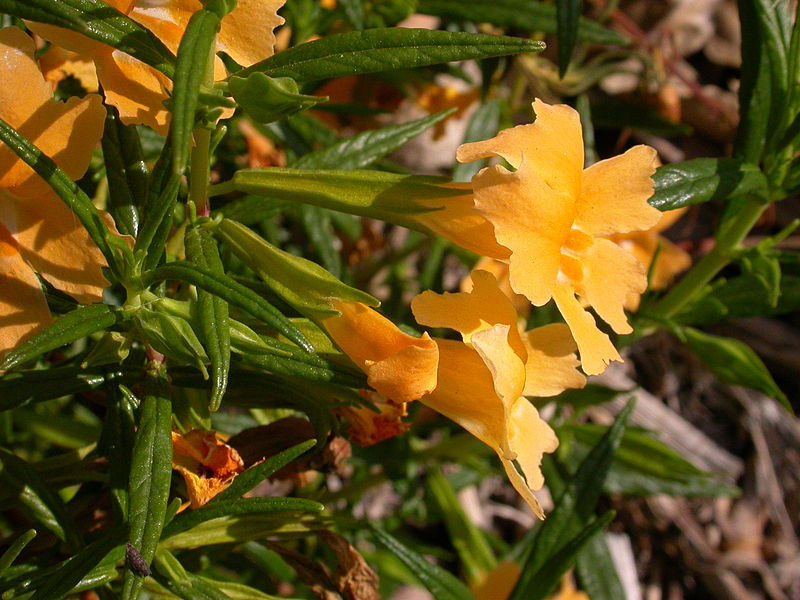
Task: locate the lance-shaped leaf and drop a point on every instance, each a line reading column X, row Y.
column 201, row 249
column 529, row 15
column 733, row 362
column 365, row 148
column 765, row 79
column 246, row 481
column 231, row 291
column 39, row 385
column 304, row 284
column 126, row 172
column 567, row 15
column 574, row 509
column 71, row 327
column 376, row 194
column 376, row 50
column 704, row 179
column 439, row 582
column 194, row 54
column 150, row 475
column 267, row 99
column 157, row 221
column 40, row 503
column 14, row 550
column 99, row 21
column 70, row 573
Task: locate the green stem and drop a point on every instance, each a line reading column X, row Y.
column 201, row 151
column 729, row 240
column 200, row 168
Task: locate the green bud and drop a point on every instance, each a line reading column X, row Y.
column 267, row 99
column 304, row 284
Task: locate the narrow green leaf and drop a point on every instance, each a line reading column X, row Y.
column 117, row 441
column 575, row 506
column 539, row 585
column 528, row 15
column 246, row 481
column 66, row 189
column 438, row 582
column 733, row 362
column 764, row 80
column 319, row 229
column 365, row 148
column 13, row 551
column 126, row 172
column 240, row 506
column 65, row 330
column 150, row 475
column 157, row 221
column 597, row 572
column 174, row 577
column 474, row 552
column 97, row 20
column 567, row 14
column 376, row 50
column 40, row 503
column 194, row 55
column 72, row 571
column 201, row 249
column 243, row 528
column 18, row 388
column 230, row 291
column 705, row 179
column 100, row 574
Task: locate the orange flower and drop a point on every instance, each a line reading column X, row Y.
column 483, row 381
column 399, row 366
column 208, row 465
column 553, row 217
column 368, row 427
column 643, row 245
column 37, row 231
column 500, row 582
column 136, row 89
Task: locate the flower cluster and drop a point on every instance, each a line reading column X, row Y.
column 550, row 230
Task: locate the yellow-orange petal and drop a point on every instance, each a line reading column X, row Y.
column 457, row 220
column 614, row 193
column 596, row 349
column 611, row 275
column 57, row 246
column 23, row 309
column 500, row 271
column 368, row 427
column 136, row 90
column 530, row 220
column 499, row 582
column 552, row 366
column 469, row 312
column 58, row 64
column 66, row 132
column 207, row 465
column 399, row 366
column 552, row 146
column 246, row 34
column 530, row 438
column 504, row 363
column 467, row 394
